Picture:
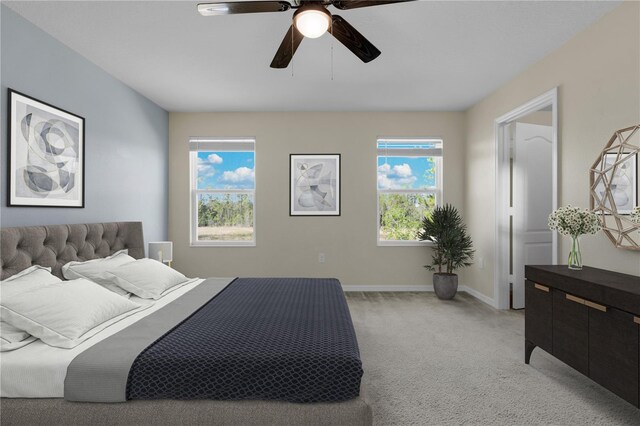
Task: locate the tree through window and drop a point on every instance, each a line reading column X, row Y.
column 409, row 186
column 222, row 191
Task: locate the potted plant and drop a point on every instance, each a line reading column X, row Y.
column 452, row 249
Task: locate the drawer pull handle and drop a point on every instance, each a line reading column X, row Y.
column 636, row 320
column 541, row 287
column 575, row 299
column 595, row 306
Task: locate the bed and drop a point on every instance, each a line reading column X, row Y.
column 251, row 351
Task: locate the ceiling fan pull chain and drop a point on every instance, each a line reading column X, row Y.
column 331, row 29
column 293, row 29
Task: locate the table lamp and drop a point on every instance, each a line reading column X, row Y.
column 162, row 251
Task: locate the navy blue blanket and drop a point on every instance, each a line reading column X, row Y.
column 288, row 339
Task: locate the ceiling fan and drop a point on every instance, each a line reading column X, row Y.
column 311, row 19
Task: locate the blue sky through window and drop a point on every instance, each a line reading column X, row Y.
column 406, row 172
column 226, row 170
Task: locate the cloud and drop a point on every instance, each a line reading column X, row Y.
column 239, row 175
column 385, row 169
column 398, row 177
column 214, row 159
column 402, row 171
column 386, row 182
column 205, row 169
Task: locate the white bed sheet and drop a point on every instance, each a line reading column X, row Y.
column 38, row 370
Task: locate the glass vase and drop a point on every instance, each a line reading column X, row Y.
column 575, row 257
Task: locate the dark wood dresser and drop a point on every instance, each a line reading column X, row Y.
column 589, row 319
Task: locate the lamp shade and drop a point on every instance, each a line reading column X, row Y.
column 312, row 19
column 161, row 251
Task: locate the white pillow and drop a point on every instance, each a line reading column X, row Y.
column 62, row 314
column 13, row 338
column 34, row 274
column 146, row 278
column 94, row 269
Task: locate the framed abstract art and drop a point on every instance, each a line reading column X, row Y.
column 314, row 185
column 46, row 154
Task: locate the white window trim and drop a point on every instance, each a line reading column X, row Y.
column 193, row 194
column 437, row 190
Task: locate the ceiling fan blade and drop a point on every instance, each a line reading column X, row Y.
column 353, row 40
column 287, row 48
column 354, row 4
column 230, row 8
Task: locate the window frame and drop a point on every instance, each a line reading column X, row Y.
column 194, row 192
column 436, row 190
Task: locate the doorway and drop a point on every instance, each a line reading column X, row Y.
column 526, row 193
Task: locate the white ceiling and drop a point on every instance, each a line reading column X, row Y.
column 436, row 56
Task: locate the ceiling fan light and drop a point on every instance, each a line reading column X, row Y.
column 312, row 23
column 213, row 9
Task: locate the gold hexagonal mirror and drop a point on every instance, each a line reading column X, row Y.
column 614, row 188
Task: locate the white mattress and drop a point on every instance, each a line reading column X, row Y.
column 38, row 370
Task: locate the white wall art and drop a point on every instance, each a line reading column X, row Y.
column 46, row 159
column 314, row 185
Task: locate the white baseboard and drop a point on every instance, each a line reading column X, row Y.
column 481, row 297
column 387, row 288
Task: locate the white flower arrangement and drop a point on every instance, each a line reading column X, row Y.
column 573, row 221
column 635, row 215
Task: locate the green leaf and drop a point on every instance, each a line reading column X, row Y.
column 453, row 248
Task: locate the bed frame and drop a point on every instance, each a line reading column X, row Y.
column 53, row 246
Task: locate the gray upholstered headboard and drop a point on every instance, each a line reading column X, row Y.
column 55, row 245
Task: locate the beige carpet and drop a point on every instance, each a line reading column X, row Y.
column 431, row 362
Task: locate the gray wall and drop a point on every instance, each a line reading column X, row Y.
column 126, row 141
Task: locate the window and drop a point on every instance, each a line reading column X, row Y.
column 223, row 192
column 409, row 187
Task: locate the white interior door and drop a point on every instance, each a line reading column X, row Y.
column 532, row 202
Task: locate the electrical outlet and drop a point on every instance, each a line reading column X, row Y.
column 481, row 262
column 321, row 258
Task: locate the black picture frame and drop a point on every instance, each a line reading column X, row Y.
column 320, row 193
column 41, row 166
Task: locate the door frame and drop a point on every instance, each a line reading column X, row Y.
column 501, row 274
